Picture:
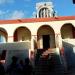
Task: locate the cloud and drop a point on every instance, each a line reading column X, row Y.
column 2, row 12
column 16, row 14
column 6, row 1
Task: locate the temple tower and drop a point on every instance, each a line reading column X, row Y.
column 44, row 10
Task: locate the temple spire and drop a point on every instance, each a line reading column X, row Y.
column 44, row 10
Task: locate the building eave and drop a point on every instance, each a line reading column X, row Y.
column 31, row 20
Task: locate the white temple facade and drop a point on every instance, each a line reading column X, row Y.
column 46, row 32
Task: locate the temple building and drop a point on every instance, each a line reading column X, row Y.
column 46, row 32
column 44, row 10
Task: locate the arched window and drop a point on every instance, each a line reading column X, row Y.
column 22, row 34
column 67, row 31
column 44, row 12
column 2, row 39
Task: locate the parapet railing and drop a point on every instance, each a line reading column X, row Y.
column 15, row 45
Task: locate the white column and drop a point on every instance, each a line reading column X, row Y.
column 32, row 50
column 37, row 13
column 47, row 12
column 61, row 49
column 44, row 13
column 35, row 39
column 52, row 41
column 32, row 42
column 10, row 38
column 58, row 40
column 41, row 42
column 40, row 14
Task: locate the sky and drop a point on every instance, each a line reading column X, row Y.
column 18, row 9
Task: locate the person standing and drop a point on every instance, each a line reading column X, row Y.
column 13, row 68
column 27, row 69
column 2, row 70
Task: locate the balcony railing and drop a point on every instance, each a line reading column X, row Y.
column 15, row 46
column 70, row 41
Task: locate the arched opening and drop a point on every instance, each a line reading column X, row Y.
column 67, row 31
column 68, row 41
column 3, row 39
column 44, row 12
column 3, row 35
column 22, row 34
column 46, row 37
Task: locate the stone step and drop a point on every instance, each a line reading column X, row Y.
column 43, row 67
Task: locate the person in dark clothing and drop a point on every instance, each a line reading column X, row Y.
column 27, row 69
column 21, row 65
column 13, row 68
column 2, row 70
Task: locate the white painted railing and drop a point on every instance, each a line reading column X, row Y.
column 70, row 41
column 15, row 46
column 51, row 50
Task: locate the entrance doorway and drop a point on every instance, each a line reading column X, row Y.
column 3, row 55
column 46, row 41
